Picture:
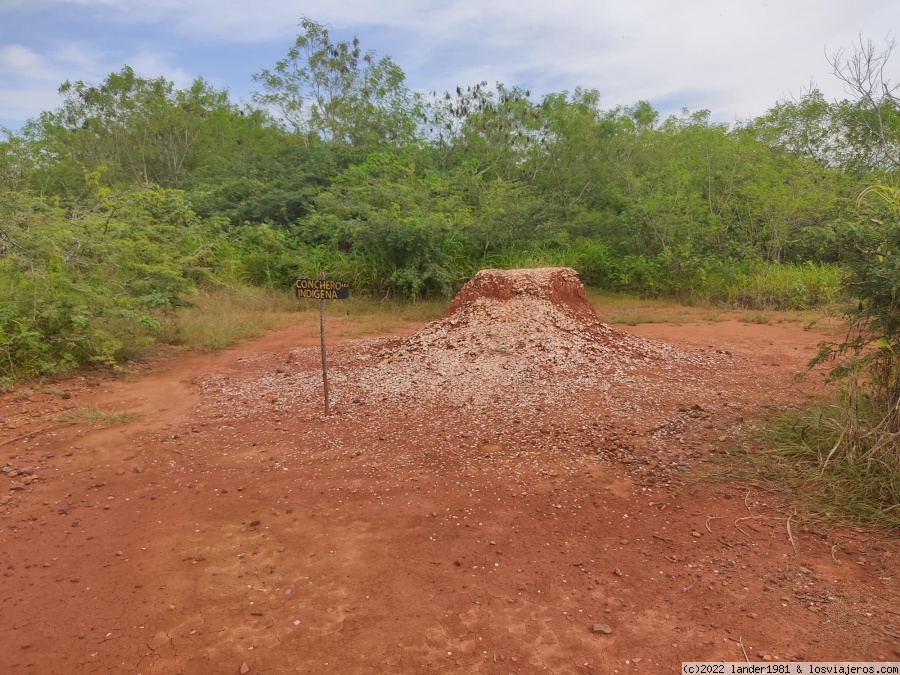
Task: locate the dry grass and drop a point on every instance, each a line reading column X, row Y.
column 364, row 316
column 215, row 320
column 360, row 316
column 106, row 418
column 632, row 310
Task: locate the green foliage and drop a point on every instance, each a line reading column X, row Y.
column 134, row 195
column 871, row 254
column 136, row 130
column 78, row 285
column 265, row 175
column 337, row 92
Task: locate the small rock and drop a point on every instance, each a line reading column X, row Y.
column 804, row 570
column 696, row 534
column 120, row 472
column 603, row 628
column 244, row 668
column 28, row 471
column 138, row 469
column 254, row 523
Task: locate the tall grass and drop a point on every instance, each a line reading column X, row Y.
column 739, row 284
column 843, row 455
column 778, row 286
column 218, row 318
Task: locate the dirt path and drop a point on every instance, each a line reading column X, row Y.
column 231, row 525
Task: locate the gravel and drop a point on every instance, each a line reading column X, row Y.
column 520, row 377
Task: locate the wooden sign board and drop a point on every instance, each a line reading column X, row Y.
column 321, row 289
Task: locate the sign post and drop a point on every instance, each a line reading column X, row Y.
column 322, row 290
column 324, row 359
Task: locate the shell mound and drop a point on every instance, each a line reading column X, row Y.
column 559, row 287
column 538, row 315
column 514, row 334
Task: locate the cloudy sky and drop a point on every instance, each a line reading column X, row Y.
column 734, row 57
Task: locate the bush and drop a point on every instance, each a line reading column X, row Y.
column 83, row 287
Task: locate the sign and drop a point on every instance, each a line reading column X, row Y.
column 321, row 289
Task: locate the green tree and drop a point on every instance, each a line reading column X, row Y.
column 139, row 130
column 340, row 93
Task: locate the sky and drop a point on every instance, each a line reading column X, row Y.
column 736, row 58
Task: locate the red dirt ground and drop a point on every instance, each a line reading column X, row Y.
column 395, row 537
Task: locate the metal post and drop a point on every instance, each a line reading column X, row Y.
column 324, row 359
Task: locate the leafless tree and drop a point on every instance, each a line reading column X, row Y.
column 874, row 120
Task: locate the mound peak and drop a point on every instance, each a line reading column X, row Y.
column 559, row 287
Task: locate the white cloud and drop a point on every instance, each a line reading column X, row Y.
column 736, row 57
column 149, row 64
column 29, row 81
column 18, row 61
column 20, row 104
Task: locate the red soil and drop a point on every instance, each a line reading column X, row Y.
column 470, row 507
